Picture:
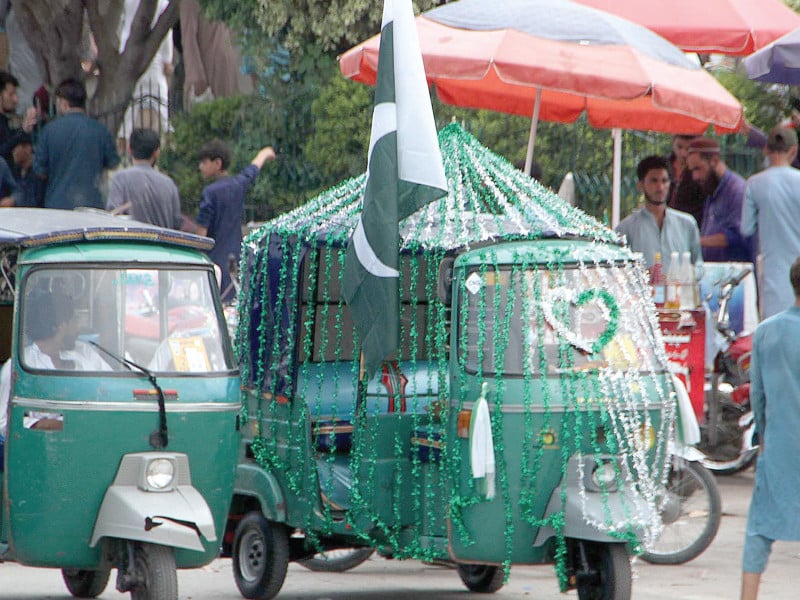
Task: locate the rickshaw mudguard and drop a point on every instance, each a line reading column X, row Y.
column 253, row 481
column 594, row 515
column 176, row 518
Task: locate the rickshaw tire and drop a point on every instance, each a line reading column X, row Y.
column 157, row 562
column 337, row 564
column 259, row 569
column 709, row 484
column 614, row 566
column 83, row 583
column 483, row 579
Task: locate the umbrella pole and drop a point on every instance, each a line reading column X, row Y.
column 616, row 135
column 532, row 136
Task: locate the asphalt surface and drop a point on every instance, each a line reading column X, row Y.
column 713, row 575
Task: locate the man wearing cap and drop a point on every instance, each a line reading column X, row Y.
column 720, row 235
column 772, row 206
column 758, row 139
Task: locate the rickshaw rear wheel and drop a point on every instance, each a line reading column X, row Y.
column 83, row 583
column 484, row 579
column 260, row 557
column 602, row 571
column 158, row 576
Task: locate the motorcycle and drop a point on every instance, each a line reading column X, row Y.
column 728, row 439
column 691, row 508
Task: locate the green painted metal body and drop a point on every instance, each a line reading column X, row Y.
column 54, row 481
column 406, row 484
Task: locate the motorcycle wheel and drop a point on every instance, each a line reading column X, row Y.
column 691, row 511
column 602, row 570
column 484, row 579
column 337, row 561
column 85, row 583
column 156, row 564
column 260, row 557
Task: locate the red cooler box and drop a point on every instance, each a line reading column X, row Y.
column 684, row 333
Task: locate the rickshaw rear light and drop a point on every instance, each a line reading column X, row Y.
column 464, row 420
column 159, row 474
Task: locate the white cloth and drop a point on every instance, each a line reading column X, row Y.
column 152, row 89
column 689, row 429
column 481, row 444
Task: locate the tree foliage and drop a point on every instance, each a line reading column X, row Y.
column 334, row 25
column 58, row 32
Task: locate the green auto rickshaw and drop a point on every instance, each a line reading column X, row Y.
column 123, row 401
column 523, row 420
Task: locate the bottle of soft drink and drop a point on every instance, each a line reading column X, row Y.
column 657, row 281
column 688, row 283
column 672, row 295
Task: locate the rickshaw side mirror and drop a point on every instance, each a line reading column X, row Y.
column 445, row 287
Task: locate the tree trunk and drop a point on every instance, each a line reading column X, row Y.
column 60, row 33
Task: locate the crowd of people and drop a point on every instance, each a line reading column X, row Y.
column 694, row 203
column 74, row 152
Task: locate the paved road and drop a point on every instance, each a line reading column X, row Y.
column 712, row 576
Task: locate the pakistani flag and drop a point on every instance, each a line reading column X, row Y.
column 404, row 172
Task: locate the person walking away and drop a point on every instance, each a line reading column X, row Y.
column 685, row 194
column 775, row 399
column 73, row 151
column 140, row 190
column 771, row 208
column 30, row 187
column 654, row 227
column 720, row 235
column 222, row 204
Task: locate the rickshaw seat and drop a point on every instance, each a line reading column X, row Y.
column 335, row 480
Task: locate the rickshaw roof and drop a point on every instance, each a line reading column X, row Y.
column 35, row 227
column 488, row 199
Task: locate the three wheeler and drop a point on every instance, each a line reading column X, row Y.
column 122, row 400
column 523, row 420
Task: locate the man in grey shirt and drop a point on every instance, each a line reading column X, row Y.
column 140, row 190
column 654, row 227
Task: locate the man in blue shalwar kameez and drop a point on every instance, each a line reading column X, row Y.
column 775, row 399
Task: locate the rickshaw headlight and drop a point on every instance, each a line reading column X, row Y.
column 604, row 475
column 159, row 474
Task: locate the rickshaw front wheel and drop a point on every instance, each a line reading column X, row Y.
column 484, row 579
column 85, row 583
column 602, row 570
column 157, row 575
column 260, row 556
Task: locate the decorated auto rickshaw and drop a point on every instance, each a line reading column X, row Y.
column 524, row 419
column 123, row 401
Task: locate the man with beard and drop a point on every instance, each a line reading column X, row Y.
column 720, row 236
column 685, row 194
column 654, row 227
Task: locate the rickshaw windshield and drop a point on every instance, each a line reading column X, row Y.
column 79, row 318
column 532, row 321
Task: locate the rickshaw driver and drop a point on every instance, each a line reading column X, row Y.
column 52, row 327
